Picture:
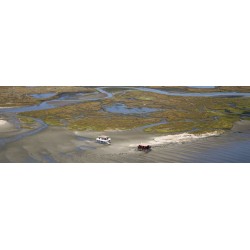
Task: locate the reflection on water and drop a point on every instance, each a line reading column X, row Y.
column 123, row 109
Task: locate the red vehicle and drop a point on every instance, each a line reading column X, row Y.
column 142, row 147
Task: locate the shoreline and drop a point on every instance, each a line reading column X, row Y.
column 153, row 139
column 180, row 125
column 57, row 144
column 180, row 138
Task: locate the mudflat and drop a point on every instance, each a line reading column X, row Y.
column 59, row 126
column 56, row 144
column 6, row 127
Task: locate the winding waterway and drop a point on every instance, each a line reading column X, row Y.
column 41, row 126
column 71, row 98
column 178, row 93
column 103, row 93
column 58, row 101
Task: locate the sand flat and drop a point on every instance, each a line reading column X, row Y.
column 6, row 126
column 61, row 145
column 3, row 122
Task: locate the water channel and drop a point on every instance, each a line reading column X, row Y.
column 71, row 98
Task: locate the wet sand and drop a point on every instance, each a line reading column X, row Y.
column 5, row 126
column 43, row 143
column 56, row 144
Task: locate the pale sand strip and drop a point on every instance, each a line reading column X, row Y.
column 179, row 138
column 3, row 122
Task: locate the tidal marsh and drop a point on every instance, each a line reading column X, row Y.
column 183, row 114
column 12, row 96
column 63, row 127
column 241, row 89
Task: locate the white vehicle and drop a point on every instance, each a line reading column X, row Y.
column 103, row 139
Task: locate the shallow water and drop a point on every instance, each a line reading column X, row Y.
column 59, row 145
column 123, row 109
column 226, row 148
column 69, row 98
column 41, row 106
column 211, row 94
column 43, row 95
column 80, row 96
column 233, row 146
column 63, row 100
column 17, row 137
column 109, row 95
column 179, row 93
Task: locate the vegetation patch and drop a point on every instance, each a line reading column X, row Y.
column 21, row 96
column 111, row 123
column 183, row 113
column 27, row 122
column 115, row 89
column 242, row 89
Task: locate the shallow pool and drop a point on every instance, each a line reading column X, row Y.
column 123, row 109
